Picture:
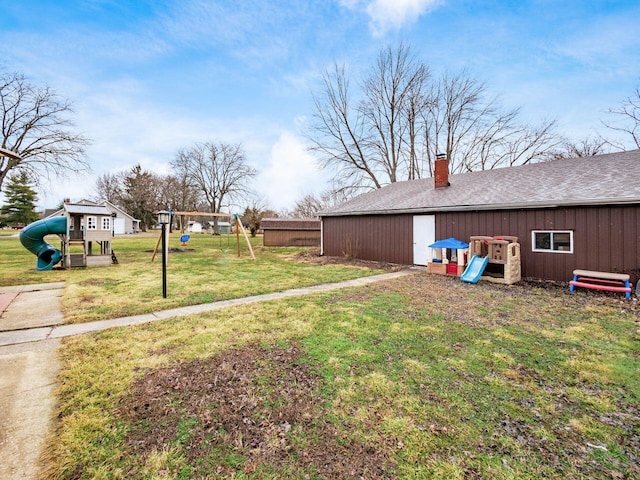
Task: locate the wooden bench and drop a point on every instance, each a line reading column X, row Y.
column 610, row 282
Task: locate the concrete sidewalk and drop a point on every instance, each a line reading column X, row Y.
column 28, row 380
column 28, row 373
column 50, row 328
column 31, row 308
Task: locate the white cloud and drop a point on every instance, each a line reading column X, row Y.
column 291, row 173
column 394, row 14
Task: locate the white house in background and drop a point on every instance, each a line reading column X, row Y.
column 195, row 227
column 123, row 223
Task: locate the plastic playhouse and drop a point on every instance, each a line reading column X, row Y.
column 495, row 259
column 448, row 257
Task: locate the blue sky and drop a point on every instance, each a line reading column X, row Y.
column 148, row 78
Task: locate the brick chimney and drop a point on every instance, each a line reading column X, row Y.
column 441, row 171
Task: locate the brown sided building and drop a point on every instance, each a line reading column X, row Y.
column 567, row 214
column 289, row 232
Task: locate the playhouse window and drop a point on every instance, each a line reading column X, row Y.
column 106, row 223
column 552, row 241
column 92, row 223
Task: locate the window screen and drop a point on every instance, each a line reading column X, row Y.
column 556, row 241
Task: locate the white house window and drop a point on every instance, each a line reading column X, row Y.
column 92, row 223
column 556, row 241
column 106, row 223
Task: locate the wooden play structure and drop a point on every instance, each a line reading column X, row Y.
column 503, row 254
column 85, row 233
column 87, row 242
column 610, row 282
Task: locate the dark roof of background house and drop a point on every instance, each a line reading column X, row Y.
column 289, row 224
column 599, row 180
column 49, row 211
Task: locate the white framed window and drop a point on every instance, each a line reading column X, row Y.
column 92, row 223
column 106, row 223
column 554, row 241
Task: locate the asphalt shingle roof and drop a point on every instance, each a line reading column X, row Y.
column 599, row 180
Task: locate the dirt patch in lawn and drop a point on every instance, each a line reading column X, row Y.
column 312, row 255
column 245, row 409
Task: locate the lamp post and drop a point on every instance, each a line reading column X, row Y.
column 113, row 223
column 164, row 217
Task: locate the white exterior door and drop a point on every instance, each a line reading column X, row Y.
column 118, row 226
column 424, row 234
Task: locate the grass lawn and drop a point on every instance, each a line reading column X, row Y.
column 420, row 377
column 209, row 271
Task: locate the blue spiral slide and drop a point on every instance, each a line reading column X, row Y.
column 32, row 238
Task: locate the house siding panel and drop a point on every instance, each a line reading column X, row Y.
column 599, row 241
column 605, row 238
column 631, row 235
column 384, row 238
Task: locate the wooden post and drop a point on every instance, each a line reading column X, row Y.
column 165, row 231
column 237, row 234
column 155, row 250
column 247, row 239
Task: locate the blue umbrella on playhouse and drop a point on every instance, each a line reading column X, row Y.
column 439, row 256
column 452, row 243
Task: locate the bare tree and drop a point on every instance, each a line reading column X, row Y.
column 36, row 125
column 405, row 119
column 476, row 132
column 254, row 213
column 311, row 205
column 307, row 207
column 586, row 147
column 218, row 170
column 181, row 193
column 452, row 117
column 418, row 100
column 394, row 93
column 340, row 133
column 372, row 142
column 109, row 187
column 626, row 120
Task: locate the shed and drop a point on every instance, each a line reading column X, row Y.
column 571, row 213
column 284, row 232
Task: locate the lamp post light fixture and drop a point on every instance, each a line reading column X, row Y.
column 164, row 218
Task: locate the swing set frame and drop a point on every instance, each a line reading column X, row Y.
column 238, row 225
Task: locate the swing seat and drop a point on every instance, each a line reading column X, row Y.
column 184, row 239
